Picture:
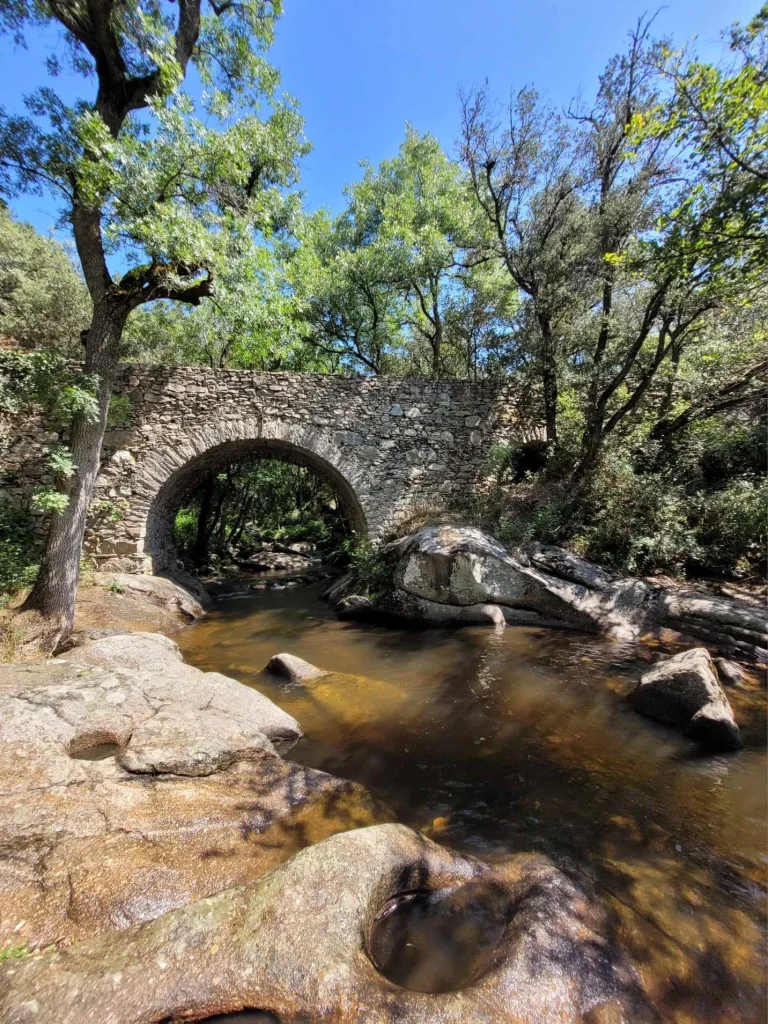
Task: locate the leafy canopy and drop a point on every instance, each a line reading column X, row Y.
column 175, row 183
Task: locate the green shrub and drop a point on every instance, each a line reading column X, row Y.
column 14, row 953
column 372, row 566
column 731, row 530
column 120, row 411
column 636, row 523
column 18, row 563
column 185, row 528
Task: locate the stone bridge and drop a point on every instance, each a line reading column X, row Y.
column 389, row 446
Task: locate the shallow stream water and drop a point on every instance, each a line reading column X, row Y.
column 500, row 742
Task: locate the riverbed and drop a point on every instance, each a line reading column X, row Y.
column 499, row 742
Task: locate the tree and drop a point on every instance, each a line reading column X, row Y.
column 172, row 188
column 250, row 323
column 43, row 300
column 386, row 285
column 351, row 314
column 591, row 216
column 521, row 173
column 718, row 118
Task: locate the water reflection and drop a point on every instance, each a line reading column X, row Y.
column 523, row 740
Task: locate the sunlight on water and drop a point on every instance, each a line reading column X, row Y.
column 524, row 740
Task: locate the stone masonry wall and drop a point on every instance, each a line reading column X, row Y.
column 389, row 445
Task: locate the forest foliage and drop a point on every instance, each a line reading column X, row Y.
column 612, row 256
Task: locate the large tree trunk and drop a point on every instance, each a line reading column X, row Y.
column 54, row 592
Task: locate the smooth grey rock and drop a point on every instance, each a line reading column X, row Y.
column 190, row 742
column 460, row 565
column 724, row 621
column 288, row 666
column 72, row 706
column 144, row 652
column 570, row 567
column 463, row 566
column 684, row 691
column 729, row 672
column 411, row 608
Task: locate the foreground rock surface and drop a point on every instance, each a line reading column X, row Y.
column 684, row 691
column 283, row 945
column 190, row 798
column 446, row 574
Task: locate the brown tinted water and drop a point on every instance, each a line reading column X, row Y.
column 523, row 740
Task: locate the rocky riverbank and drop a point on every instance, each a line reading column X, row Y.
column 154, row 834
column 146, row 810
column 133, row 783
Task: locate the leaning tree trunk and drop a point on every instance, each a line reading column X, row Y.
column 55, row 589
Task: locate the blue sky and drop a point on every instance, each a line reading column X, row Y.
column 361, row 69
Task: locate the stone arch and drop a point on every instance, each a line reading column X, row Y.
column 169, row 474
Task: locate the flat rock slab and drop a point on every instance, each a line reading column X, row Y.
column 113, row 849
column 148, row 652
column 190, row 743
column 89, row 844
column 295, row 945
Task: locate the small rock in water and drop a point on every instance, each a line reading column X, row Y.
column 288, row 666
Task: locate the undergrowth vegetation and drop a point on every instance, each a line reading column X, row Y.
column 18, row 562
column 697, row 509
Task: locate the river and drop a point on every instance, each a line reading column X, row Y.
column 498, row 742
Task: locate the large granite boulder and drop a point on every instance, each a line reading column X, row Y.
column 464, row 567
column 736, row 626
column 124, row 793
column 297, row 944
column 684, row 691
column 458, row 574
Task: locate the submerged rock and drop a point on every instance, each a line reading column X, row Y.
column 297, row 944
column 684, row 691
